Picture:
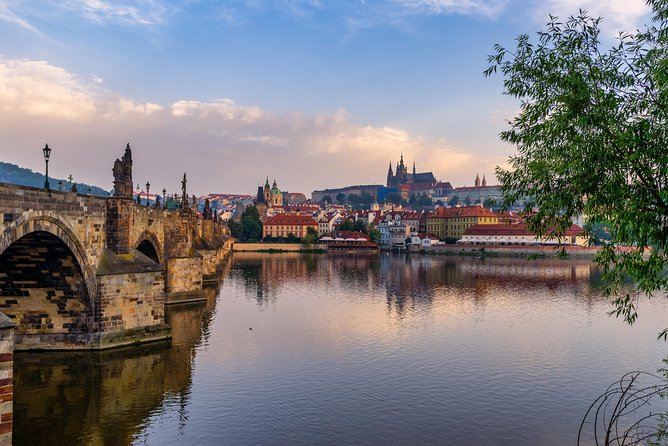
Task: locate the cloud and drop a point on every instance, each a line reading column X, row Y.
column 123, row 12
column 7, row 15
column 222, row 145
column 488, row 8
column 618, row 15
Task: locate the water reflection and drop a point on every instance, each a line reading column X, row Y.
column 385, row 349
column 105, row 397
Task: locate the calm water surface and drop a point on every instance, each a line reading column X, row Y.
column 346, row 350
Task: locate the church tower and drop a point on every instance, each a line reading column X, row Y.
column 477, row 180
column 484, row 181
column 390, row 176
column 267, row 191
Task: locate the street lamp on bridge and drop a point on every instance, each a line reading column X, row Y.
column 47, row 154
column 148, row 187
column 164, row 198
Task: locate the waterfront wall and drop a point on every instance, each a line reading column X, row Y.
column 288, row 247
column 574, row 251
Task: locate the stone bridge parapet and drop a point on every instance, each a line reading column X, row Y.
column 85, row 272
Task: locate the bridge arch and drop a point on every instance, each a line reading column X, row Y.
column 149, row 245
column 44, row 235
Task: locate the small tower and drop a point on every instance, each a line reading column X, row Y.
column 477, row 180
column 414, row 168
column 484, row 181
column 267, row 191
column 390, row 176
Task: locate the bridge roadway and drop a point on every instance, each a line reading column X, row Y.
column 85, row 272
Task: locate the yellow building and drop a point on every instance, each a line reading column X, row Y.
column 452, row 222
column 283, row 225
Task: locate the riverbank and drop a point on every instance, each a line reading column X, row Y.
column 278, row 247
column 512, row 251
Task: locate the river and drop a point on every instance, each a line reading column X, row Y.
column 389, row 349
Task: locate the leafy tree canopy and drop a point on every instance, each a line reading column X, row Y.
column 592, row 140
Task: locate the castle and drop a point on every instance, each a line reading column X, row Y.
column 402, row 178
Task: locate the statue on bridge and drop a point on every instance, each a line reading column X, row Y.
column 184, row 194
column 123, row 175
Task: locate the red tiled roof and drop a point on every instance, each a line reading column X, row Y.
column 291, row 219
column 514, row 229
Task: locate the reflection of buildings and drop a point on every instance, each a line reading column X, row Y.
column 409, row 283
column 106, row 397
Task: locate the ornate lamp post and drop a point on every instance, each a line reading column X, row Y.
column 148, row 188
column 164, row 198
column 47, row 154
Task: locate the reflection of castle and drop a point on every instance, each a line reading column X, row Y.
column 403, row 178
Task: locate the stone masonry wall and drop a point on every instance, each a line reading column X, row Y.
column 6, row 380
column 150, row 220
column 184, row 275
column 82, row 214
column 131, row 300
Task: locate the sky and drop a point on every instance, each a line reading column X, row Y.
column 312, row 93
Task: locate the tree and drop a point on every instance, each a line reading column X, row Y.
column 340, row 197
column 467, row 201
column 591, row 140
column 453, row 201
column 326, row 199
column 250, row 223
column 311, row 236
column 489, row 203
column 393, row 198
column 374, row 235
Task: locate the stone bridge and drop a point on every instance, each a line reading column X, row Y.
column 85, row 272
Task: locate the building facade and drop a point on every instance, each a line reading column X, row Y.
column 282, row 225
column 452, row 222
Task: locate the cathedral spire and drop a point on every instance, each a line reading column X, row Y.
column 413, row 167
column 484, row 181
column 477, row 180
column 390, row 175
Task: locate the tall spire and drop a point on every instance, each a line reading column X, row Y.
column 390, row 175
column 413, row 167
column 477, row 180
column 401, row 163
column 484, row 181
column 266, row 183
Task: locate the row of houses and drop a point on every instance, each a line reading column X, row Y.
column 396, row 228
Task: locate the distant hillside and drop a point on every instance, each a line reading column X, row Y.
column 11, row 173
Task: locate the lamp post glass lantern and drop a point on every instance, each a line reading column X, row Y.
column 164, row 197
column 47, row 154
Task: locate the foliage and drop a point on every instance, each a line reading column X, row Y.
column 340, row 197
column 326, row 199
column 420, row 201
column 592, row 140
column 249, row 228
column 374, row 235
column 311, row 236
column 489, row 203
column 467, row 201
column 13, row 174
column 357, row 226
column 453, row 201
column 394, row 198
